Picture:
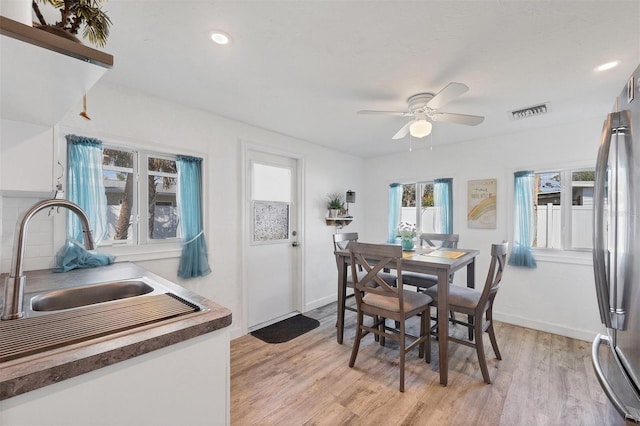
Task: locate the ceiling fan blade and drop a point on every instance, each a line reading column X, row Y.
column 446, row 95
column 399, row 113
column 403, row 131
column 467, row 120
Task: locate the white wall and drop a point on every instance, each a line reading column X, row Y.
column 133, row 117
column 555, row 297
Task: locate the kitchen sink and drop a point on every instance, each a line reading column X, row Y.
column 89, row 295
column 68, row 315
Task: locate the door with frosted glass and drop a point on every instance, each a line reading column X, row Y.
column 271, row 267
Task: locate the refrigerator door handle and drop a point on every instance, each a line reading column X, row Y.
column 630, row 414
column 599, row 247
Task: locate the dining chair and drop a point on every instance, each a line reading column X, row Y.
column 384, row 301
column 341, row 241
column 422, row 281
column 478, row 304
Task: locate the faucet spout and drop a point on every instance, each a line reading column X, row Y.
column 14, row 283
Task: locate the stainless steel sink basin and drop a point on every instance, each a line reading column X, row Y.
column 89, row 295
column 69, row 314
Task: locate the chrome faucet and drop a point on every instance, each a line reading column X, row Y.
column 14, row 283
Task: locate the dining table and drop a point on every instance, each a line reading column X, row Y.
column 440, row 262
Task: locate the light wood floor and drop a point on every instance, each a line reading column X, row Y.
column 543, row 379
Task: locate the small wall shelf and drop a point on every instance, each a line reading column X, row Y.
column 43, row 75
column 339, row 222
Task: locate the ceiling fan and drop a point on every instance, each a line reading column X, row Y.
column 423, row 108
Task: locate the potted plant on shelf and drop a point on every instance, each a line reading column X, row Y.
column 407, row 232
column 335, row 202
column 75, row 14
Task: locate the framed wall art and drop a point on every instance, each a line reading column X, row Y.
column 481, row 204
column 270, row 222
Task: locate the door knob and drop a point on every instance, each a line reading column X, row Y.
column 295, row 244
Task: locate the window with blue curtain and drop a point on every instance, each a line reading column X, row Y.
column 395, row 200
column 523, row 220
column 443, row 201
column 194, row 260
column 85, row 187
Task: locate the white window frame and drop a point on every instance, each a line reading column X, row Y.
column 143, row 226
column 552, row 255
column 136, row 196
column 163, row 249
column 419, row 188
column 566, row 208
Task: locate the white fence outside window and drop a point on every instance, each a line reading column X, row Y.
column 408, row 214
column 549, row 226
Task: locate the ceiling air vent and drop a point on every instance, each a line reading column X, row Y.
column 531, row 111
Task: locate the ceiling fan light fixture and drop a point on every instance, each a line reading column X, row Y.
column 607, row 66
column 220, row 37
column 420, row 128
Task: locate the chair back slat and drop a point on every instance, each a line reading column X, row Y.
column 494, row 276
column 373, row 258
column 341, row 242
column 440, row 240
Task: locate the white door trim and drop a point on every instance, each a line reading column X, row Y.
column 299, row 284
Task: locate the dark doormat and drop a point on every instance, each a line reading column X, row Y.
column 287, row 329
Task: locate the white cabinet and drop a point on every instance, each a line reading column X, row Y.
column 182, row 384
column 42, row 76
column 26, row 158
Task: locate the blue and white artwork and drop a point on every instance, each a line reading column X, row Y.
column 270, row 221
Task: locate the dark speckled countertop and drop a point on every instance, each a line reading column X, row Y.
column 35, row 371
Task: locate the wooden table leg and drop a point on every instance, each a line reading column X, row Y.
column 443, row 325
column 471, row 283
column 342, row 300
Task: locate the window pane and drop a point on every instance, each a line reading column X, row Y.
column 408, row 210
column 409, row 195
column 117, row 158
column 162, row 165
column 581, row 208
column 118, row 178
column 271, row 183
column 548, row 211
column 163, row 216
column 427, row 212
column 549, row 185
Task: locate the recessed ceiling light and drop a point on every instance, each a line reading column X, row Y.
column 220, row 37
column 607, row 66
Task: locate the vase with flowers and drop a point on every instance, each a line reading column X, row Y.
column 407, row 232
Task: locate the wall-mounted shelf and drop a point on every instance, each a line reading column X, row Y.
column 44, row 75
column 338, row 221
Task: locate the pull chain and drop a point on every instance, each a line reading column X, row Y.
column 59, row 194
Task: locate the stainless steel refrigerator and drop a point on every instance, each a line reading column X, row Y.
column 616, row 253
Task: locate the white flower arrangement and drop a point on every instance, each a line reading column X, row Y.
column 406, row 231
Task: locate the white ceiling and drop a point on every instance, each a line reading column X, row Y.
column 303, row 68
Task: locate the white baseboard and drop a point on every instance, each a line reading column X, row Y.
column 236, row 331
column 562, row 330
column 319, row 303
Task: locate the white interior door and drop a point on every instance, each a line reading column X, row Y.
column 271, row 261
